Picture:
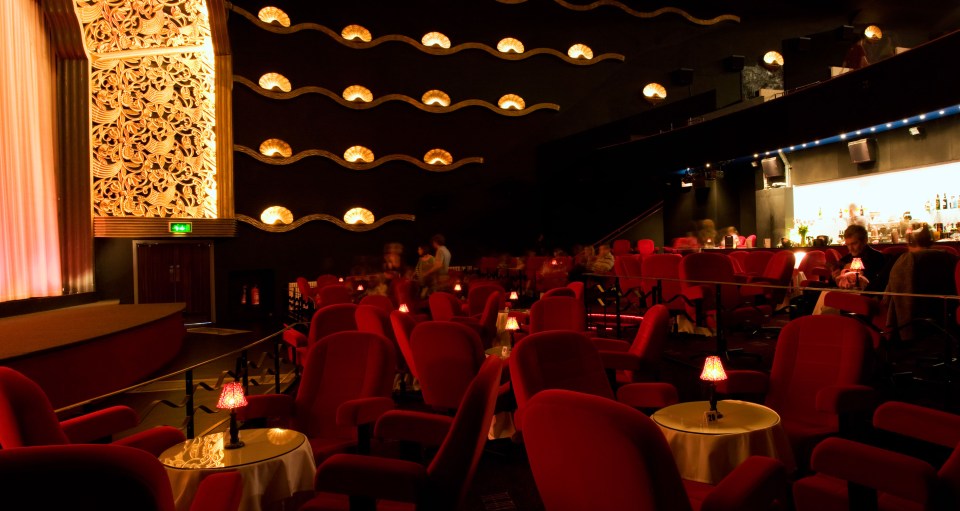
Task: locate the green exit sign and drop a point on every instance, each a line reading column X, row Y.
column 181, row 227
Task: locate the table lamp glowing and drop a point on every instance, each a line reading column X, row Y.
column 457, row 288
column 360, row 287
column 713, row 372
column 514, row 295
column 404, row 308
column 512, row 324
column 231, row 398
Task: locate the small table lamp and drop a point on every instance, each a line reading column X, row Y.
column 512, row 324
column 404, row 308
column 713, row 372
column 457, row 287
column 231, row 398
column 514, row 295
column 856, row 265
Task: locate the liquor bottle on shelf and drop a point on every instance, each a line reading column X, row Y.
column 926, row 206
column 936, row 202
column 861, row 210
column 943, row 205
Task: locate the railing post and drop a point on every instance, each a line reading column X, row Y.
column 276, row 363
column 718, row 318
column 242, row 365
column 188, row 377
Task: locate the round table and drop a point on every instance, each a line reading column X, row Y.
column 275, row 464
column 708, row 451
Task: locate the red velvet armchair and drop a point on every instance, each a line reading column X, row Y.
column 477, row 296
column 557, row 313
column 380, row 301
column 326, row 320
column 444, row 306
column 27, row 420
column 447, row 356
column 640, row 360
column 346, row 385
column 587, row 452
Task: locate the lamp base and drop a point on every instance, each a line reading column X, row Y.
column 234, row 445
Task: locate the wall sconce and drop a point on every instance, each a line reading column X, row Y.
column 916, row 131
column 873, row 33
column 276, row 148
column 654, row 92
column 359, row 216
column 773, row 60
column 358, row 153
column 435, row 98
column 436, row 40
column 510, row 45
column 511, row 102
column 357, row 93
column 355, row 32
column 580, row 51
column 275, row 82
column 231, row 398
column 438, row 157
column 274, row 16
column 713, row 372
column 276, row 215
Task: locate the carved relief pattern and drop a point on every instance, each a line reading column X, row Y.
column 152, row 107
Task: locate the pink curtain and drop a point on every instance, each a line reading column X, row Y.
column 29, row 246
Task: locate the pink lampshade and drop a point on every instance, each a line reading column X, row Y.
column 856, row 264
column 512, row 324
column 340, row 279
column 713, row 370
column 360, row 287
column 514, row 295
column 231, row 396
column 457, row 288
column 404, row 308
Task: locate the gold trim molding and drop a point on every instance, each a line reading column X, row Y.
column 324, row 218
column 273, row 160
column 132, row 227
column 635, row 13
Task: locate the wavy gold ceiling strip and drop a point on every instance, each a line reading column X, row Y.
column 637, row 14
column 432, row 50
column 326, row 218
column 273, row 160
column 359, row 105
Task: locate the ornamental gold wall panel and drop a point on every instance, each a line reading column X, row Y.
column 153, row 115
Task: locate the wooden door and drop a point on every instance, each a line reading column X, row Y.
column 176, row 271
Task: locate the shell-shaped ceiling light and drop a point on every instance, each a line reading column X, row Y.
column 275, row 82
column 358, row 153
column 510, row 45
column 274, row 147
column 274, row 15
column 276, row 215
column 435, row 98
column 580, row 51
column 357, row 93
column 654, row 92
column 436, row 39
column 511, row 102
column 438, row 157
column 773, row 59
column 355, row 32
column 359, row 216
column 873, row 33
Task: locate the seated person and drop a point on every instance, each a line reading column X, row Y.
column 873, row 276
column 604, row 261
column 921, row 270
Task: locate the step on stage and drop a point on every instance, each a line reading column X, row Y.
column 78, row 353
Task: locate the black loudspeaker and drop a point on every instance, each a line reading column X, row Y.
column 733, row 63
column 772, row 167
column 682, row 76
column 863, row 150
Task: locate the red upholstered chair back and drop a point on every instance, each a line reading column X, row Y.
column 403, row 325
column 813, row 259
column 406, row 291
column 560, row 291
column 651, row 337
column 664, row 266
column 478, row 293
column 832, row 257
column 447, row 356
column 532, row 267
column 620, row 247
column 306, row 292
column 556, row 360
column 739, row 258
column 26, row 415
column 377, row 321
column 557, row 313
column 577, row 288
column 779, row 271
column 646, row 247
column 710, row 267
column 380, row 301
column 814, row 352
column 455, row 463
column 327, row 280
column 340, row 367
column 589, row 452
column 946, row 248
column 444, row 306
column 628, row 269
column 333, row 294
column 756, row 261
column 339, row 317
column 488, row 318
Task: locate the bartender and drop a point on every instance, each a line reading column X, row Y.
column 855, row 218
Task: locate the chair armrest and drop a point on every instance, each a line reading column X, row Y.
column 744, row 382
column 846, row 399
column 427, row 429
column 694, row 293
column 919, row 422
column 610, row 344
column 294, row 338
column 219, row 492
column 620, row 360
column 267, row 406
column 887, row 471
column 852, row 302
column 648, row 395
column 362, row 411
column 372, row 477
column 99, row 424
column 756, row 483
column 154, row 440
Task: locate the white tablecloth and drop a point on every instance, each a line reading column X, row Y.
column 275, row 464
column 708, row 452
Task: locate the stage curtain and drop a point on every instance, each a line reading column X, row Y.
column 29, row 239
